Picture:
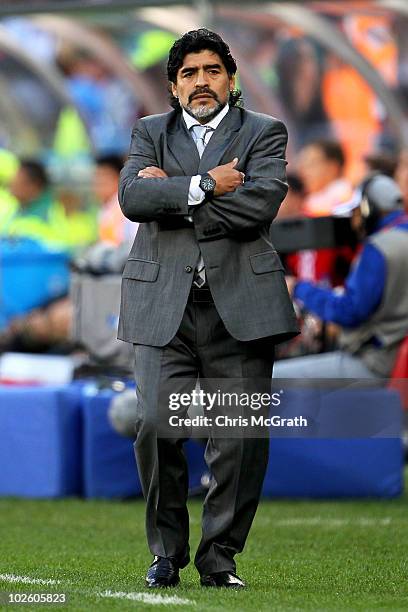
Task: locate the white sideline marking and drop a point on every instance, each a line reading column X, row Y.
column 332, row 522
column 147, row 598
column 27, row 579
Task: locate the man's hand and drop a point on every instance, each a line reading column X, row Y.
column 226, row 177
column 152, row 172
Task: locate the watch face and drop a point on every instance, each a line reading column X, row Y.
column 207, row 183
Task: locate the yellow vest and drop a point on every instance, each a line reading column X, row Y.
column 76, row 230
column 49, row 224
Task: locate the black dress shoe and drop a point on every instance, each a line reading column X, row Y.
column 223, row 579
column 163, row 572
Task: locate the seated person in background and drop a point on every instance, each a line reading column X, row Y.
column 32, row 218
column 373, row 308
column 113, row 225
column 330, row 266
column 40, row 216
column 310, row 338
column 49, row 328
column 321, row 168
column 321, row 171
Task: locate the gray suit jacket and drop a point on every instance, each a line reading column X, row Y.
column 243, row 269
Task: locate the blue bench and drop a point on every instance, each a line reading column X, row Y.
column 40, row 441
column 57, row 441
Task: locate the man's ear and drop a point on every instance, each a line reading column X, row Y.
column 174, row 90
column 232, row 82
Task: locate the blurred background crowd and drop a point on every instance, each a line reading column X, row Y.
column 72, row 86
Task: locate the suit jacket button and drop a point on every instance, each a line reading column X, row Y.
column 188, row 269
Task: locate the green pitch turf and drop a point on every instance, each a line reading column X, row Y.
column 307, row 555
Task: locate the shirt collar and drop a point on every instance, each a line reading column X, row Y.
column 214, row 123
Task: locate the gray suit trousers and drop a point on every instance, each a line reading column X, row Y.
column 202, row 347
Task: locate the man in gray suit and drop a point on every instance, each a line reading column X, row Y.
column 203, row 294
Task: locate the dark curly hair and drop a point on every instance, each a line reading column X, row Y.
column 193, row 42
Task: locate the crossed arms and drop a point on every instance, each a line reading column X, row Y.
column 146, row 193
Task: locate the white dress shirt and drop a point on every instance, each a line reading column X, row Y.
column 196, row 194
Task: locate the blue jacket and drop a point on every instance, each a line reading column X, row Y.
column 364, row 285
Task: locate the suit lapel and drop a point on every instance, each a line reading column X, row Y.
column 219, row 142
column 184, row 150
column 182, row 146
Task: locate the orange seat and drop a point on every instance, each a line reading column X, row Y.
column 400, row 372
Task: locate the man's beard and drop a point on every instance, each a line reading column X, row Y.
column 203, row 111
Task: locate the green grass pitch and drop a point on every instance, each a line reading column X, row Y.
column 300, row 555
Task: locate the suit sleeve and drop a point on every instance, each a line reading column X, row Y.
column 257, row 201
column 150, row 199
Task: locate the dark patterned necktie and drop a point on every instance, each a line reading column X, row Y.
column 199, row 136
